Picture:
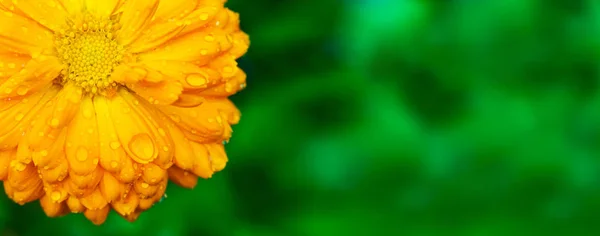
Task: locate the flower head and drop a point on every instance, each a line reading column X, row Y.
column 103, row 102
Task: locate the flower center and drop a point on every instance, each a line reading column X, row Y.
column 90, row 53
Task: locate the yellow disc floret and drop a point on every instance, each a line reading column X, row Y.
column 90, row 53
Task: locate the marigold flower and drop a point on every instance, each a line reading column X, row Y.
column 103, row 102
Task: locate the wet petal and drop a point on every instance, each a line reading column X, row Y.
column 97, row 216
column 136, row 15
column 49, row 13
column 23, row 35
column 52, row 208
column 37, row 74
column 82, row 147
column 182, row 178
column 103, row 8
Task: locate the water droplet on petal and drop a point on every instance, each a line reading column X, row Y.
column 81, row 154
column 55, row 195
column 142, row 146
column 114, row 145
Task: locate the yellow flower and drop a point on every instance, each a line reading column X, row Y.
column 103, row 102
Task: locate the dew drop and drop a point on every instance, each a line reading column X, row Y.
column 54, row 123
column 55, row 195
column 145, row 185
column 196, row 80
column 142, row 146
column 81, row 154
column 22, row 90
column 19, row 117
column 115, row 145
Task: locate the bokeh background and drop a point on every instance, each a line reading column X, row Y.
column 396, row 117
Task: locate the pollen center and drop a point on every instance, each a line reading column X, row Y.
column 90, row 53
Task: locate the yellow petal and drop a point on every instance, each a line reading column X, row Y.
column 144, row 189
column 11, row 64
column 52, row 118
column 202, row 124
column 156, row 122
column 153, row 174
column 135, row 135
column 83, row 145
column 16, row 116
column 48, row 155
column 184, row 154
column 231, row 86
column 112, row 154
column 23, row 35
column 190, row 76
column 163, row 92
column 197, row 47
column 49, row 13
column 73, row 7
column 136, row 15
column 37, row 74
column 174, row 9
column 103, row 8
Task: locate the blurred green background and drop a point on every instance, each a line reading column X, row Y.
column 396, row 117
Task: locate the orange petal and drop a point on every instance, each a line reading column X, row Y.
column 53, row 209
column 182, row 178
column 97, row 216
column 111, row 188
column 94, row 201
column 5, row 158
column 127, row 205
column 136, row 15
column 25, row 184
column 57, row 192
column 83, row 185
column 217, row 156
column 75, row 205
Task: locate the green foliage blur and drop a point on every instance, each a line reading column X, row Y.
column 396, row 117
